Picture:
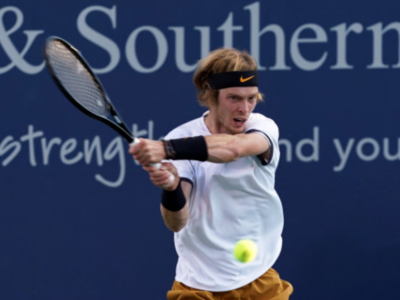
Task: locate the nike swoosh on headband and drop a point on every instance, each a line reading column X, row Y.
column 224, row 80
column 245, row 79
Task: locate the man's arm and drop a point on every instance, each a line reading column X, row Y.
column 175, row 221
column 223, row 148
column 176, row 217
column 220, row 148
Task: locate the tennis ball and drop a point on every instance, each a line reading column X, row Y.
column 245, row 251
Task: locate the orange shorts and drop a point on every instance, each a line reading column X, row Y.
column 267, row 287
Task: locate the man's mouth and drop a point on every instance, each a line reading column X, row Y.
column 239, row 121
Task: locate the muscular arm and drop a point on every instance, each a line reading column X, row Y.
column 224, row 148
column 221, row 148
column 175, row 221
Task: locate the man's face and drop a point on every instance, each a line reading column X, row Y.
column 233, row 108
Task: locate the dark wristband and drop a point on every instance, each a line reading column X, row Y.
column 173, row 200
column 192, row 148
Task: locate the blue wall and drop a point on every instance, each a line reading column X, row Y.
column 81, row 225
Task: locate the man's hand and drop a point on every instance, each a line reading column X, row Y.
column 148, row 152
column 162, row 177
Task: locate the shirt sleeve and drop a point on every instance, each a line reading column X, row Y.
column 269, row 129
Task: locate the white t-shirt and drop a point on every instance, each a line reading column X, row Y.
column 229, row 202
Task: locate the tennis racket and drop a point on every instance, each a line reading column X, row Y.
column 82, row 88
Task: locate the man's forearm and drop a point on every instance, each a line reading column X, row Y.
column 175, row 220
column 217, row 148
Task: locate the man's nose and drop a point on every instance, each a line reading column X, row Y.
column 244, row 107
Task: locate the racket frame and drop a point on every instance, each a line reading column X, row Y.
column 119, row 125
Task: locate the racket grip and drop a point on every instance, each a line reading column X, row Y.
column 156, row 165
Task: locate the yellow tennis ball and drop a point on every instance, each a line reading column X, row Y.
column 245, row 251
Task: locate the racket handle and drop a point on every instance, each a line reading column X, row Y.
column 137, row 141
column 156, row 165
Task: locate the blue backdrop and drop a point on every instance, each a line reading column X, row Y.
column 80, row 220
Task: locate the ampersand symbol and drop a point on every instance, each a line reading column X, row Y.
column 17, row 58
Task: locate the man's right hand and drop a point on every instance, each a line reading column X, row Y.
column 161, row 178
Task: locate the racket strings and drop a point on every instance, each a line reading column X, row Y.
column 74, row 76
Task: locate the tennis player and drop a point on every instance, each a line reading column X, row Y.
column 224, row 164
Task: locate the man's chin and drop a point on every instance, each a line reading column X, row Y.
column 237, row 130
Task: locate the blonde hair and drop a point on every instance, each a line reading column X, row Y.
column 219, row 61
